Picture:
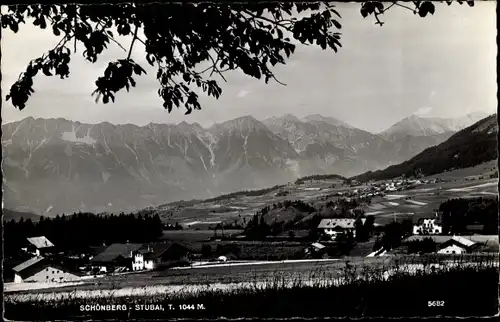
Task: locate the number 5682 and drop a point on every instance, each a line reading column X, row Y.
column 435, row 303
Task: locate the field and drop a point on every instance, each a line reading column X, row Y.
column 192, row 235
column 199, row 219
column 333, row 288
column 242, row 272
column 424, row 200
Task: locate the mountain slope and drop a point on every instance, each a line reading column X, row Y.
column 106, row 167
column 329, row 146
column 429, row 126
column 55, row 165
column 471, row 146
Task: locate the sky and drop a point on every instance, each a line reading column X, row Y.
column 443, row 65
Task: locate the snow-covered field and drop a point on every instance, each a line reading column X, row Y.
column 418, row 203
column 467, row 189
column 374, row 213
column 13, row 287
column 394, row 197
column 209, row 265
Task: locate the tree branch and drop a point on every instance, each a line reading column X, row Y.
column 74, row 21
column 132, row 43
column 403, row 6
column 276, row 23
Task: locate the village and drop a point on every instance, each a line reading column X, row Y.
column 344, row 226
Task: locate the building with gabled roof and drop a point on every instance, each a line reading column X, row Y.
column 41, row 269
column 432, row 225
column 456, row 245
column 334, row 226
column 115, row 255
column 39, row 245
column 151, row 256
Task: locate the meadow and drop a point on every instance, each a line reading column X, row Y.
column 424, row 200
column 466, row 287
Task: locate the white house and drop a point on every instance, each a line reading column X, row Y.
column 428, row 226
column 39, row 269
column 151, row 256
column 335, row 226
column 456, row 245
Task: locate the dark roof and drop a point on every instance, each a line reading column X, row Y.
column 115, row 251
column 153, row 251
column 337, row 222
column 96, row 250
column 438, row 219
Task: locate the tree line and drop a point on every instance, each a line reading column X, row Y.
column 459, row 213
column 81, row 230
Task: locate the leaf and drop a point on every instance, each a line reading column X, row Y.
column 426, row 7
column 46, row 70
column 14, row 26
column 55, row 30
column 379, row 6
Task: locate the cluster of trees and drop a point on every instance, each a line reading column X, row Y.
column 426, row 245
column 458, row 213
column 245, row 193
column 364, row 230
column 258, row 228
column 393, row 235
column 79, row 231
column 297, row 204
column 319, row 177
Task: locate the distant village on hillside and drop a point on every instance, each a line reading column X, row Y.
column 333, row 225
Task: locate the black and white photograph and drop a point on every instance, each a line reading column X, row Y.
column 278, row 160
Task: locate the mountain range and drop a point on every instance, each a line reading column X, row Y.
column 469, row 147
column 56, row 165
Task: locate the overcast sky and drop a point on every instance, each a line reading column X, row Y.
column 442, row 65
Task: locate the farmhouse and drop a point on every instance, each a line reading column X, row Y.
column 39, row 246
column 456, row 245
column 428, row 226
column 316, row 250
column 335, row 226
column 151, row 256
column 39, row 269
column 115, row 256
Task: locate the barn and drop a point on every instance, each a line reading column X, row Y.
column 116, row 256
column 456, row 245
column 40, row 269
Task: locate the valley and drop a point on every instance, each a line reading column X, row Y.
column 110, row 168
